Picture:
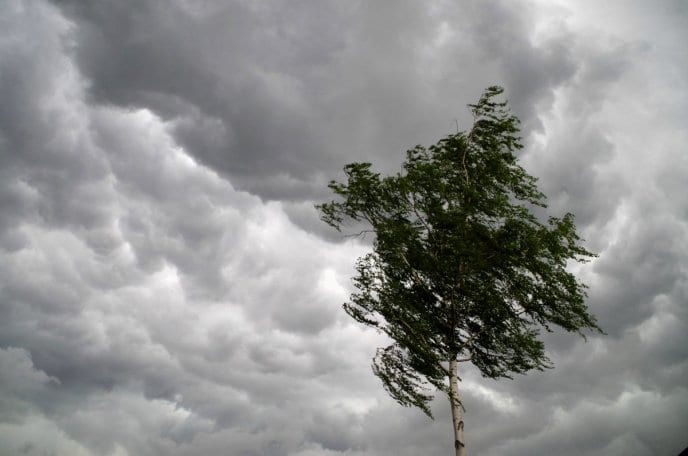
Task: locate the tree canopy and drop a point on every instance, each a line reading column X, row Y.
column 461, row 268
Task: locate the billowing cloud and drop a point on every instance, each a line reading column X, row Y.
column 166, row 287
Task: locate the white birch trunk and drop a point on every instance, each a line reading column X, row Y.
column 457, row 413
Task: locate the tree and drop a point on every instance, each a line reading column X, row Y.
column 461, row 269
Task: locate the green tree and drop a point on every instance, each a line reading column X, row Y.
column 461, row 269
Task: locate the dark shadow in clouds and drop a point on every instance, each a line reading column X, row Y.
column 280, row 98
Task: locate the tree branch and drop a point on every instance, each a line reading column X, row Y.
column 420, row 218
column 359, row 234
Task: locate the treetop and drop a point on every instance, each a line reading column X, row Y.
column 460, row 267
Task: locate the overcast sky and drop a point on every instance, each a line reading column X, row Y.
column 166, row 287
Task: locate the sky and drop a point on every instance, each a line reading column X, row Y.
column 166, row 286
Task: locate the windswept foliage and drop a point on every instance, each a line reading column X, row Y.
column 461, row 268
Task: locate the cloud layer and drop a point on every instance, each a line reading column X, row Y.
column 167, row 289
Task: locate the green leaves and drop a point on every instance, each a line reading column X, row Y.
column 460, row 266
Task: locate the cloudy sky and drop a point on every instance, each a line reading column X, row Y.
column 166, row 287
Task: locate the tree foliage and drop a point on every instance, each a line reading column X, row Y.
column 461, row 268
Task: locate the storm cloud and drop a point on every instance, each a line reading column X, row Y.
column 166, row 287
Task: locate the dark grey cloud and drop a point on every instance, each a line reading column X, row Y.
column 252, row 93
column 167, row 288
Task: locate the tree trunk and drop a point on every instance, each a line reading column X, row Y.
column 457, row 413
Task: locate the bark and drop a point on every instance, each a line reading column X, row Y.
column 457, row 412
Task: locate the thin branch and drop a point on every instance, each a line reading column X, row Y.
column 412, row 332
column 418, row 279
column 469, row 141
column 422, row 339
column 475, row 335
column 361, row 233
column 415, row 211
